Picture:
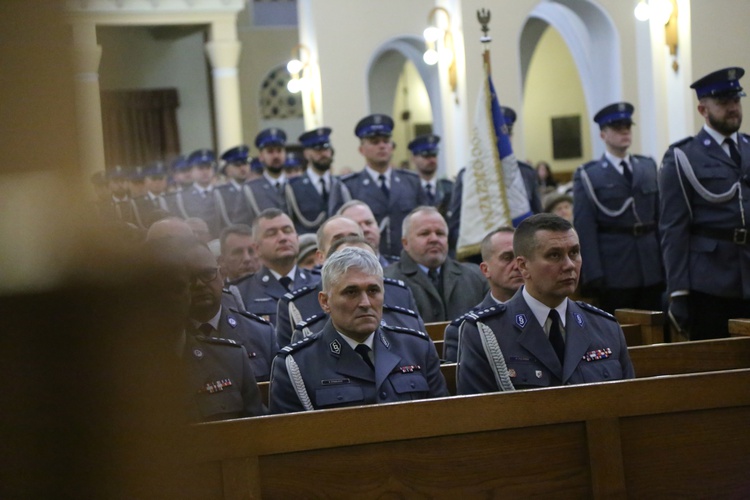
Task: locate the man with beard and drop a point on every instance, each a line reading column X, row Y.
column 277, row 246
column 500, row 267
column 209, row 317
column 230, row 198
column 443, row 288
column 267, row 191
column 354, row 360
column 424, row 155
column 540, row 338
column 308, row 196
column 705, row 213
column 615, row 213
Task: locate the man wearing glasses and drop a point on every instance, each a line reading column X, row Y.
column 209, row 317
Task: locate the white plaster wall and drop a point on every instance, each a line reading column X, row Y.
column 133, row 59
column 417, row 102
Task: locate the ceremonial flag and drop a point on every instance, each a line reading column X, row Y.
column 493, row 194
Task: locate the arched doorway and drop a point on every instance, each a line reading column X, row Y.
column 393, row 64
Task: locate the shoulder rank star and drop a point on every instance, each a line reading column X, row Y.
column 218, row 386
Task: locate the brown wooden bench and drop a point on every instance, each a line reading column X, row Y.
column 436, row 330
column 651, row 325
column 739, row 327
column 655, row 360
column 675, row 436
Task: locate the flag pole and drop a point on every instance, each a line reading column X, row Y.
column 483, row 16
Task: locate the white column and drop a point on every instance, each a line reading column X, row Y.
column 87, row 55
column 224, row 53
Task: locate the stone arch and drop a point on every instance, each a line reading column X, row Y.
column 383, row 72
column 593, row 41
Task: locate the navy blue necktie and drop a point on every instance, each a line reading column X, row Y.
column 733, row 152
column 364, row 352
column 323, row 190
column 555, row 335
column 286, row 282
column 384, row 186
column 626, row 172
column 430, row 194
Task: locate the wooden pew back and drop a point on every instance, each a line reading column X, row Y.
column 599, row 440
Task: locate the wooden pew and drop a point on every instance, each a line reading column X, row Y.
column 651, row 326
column 436, row 330
column 739, row 327
column 675, row 436
column 655, row 360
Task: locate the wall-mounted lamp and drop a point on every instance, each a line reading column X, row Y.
column 445, row 53
column 663, row 12
column 296, row 67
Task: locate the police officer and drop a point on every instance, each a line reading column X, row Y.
column 152, row 205
column 230, row 197
column 529, row 181
column 424, row 151
column 540, row 338
column 117, row 205
column 198, row 200
column 213, row 320
column 302, row 304
column 277, row 245
column 705, row 213
column 616, row 212
column 181, row 175
column 500, row 267
column 309, row 195
column 390, row 193
column 353, row 360
column 267, row 191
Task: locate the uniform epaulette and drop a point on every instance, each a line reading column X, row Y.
column 481, row 314
column 681, row 141
column 460, row 319
column 595, row 310
column 591, row 163
column 394, row 281
column 298, row 292
column 642, row 157
column 403, row 329
column 346, row 177
column 217, row 341
column 250, row 315
column 403, row 310
column 309, row 321
column 407, row 172
column 447, row 182
column 299, row 345
column 240, row 280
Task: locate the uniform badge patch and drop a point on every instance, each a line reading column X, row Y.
column 264, row 279
column 707, row 142
column 579, row 319
column 198, row 353
column 232, row 322
column 538, row 373
column 512, row 373
column 384, row 340
column 521, row 320
column 597, row 354
column 336, row 347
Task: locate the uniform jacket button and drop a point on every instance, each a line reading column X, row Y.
column 383, row 395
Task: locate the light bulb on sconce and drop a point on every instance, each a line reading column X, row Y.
column 440, row 47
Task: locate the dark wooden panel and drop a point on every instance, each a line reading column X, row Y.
column 691, row 357
column 478, row 465
column 701, row 454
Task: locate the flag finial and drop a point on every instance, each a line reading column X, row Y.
column 483, row 15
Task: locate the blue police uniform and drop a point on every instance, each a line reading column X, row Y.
column 180, row 164
column 404, row 189
column 255, row 334
column 260, row 193
column 705, row 219
column 147, row 208
column 261, row 291
column 440, row 196
column 230, row 197
column 616, row 220
column 196, row 201
column 113, row 208
column 595, row 349
column 450, row 337
column 330, row 374
column 220, row 384
column 399, row 308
